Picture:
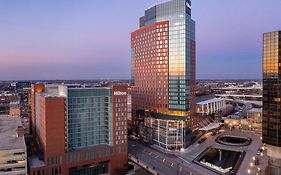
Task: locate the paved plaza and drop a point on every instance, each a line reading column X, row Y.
column 181, row 162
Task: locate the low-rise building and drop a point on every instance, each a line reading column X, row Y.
column 255, row 119
column 13, row 157
column 253, row 122
column 210, row 106
column 15, row 111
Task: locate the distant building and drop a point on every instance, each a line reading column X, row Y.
column 210, row 106
column 254, row 117
column 271, row 118
column 15, row 111
column 163, row 74
column 79, row 130
column 13, row 157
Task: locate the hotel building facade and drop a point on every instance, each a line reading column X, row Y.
column 79, row 130
column 271, row 118
column 163, row 73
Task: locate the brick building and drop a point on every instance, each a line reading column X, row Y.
column 79, row 130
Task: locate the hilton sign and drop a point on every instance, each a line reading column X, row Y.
column 119, row 93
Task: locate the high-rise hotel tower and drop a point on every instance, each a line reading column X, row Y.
column 79, row 130
column 163, row 73
column 271, row 121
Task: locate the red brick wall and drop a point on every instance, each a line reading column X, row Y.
column 35, row 88
column 52, row 137
column 119, row 102
column 151, row 67
column 52, row 126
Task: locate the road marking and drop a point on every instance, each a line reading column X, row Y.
column 184, row 160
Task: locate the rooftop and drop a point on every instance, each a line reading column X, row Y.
column 213, row 100
column 8, row 133
column 255, row 110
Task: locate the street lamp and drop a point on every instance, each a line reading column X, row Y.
column 249, row 171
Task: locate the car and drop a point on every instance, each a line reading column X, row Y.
column 202, row 140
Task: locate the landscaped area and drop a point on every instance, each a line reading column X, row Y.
column 221, row 161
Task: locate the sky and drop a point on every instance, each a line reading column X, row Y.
column 90, row 39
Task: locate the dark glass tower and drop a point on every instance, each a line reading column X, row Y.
column 271, row 121
column 272, row 88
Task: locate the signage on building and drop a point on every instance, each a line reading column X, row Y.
column 119, row 93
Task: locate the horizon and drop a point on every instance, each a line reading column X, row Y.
column 100, row 79
column 41, row 42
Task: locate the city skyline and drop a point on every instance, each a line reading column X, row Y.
column 38, row 37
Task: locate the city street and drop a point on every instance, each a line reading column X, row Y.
column 168, row 162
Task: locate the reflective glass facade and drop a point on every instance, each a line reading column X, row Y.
column 271, row 122
column 181, row 34
column 181, row 52
column 89, row 117
column 163, row 70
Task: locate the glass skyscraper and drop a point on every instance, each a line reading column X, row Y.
column 163, row 72
column 271, row 121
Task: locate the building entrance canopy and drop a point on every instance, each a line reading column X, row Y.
column 211, row 126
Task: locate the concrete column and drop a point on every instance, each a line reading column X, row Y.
column 182, row 133
column 177, row 135
column 167, row 129
column 217, row 106
column 158, row 133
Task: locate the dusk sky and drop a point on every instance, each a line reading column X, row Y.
column 90, row 39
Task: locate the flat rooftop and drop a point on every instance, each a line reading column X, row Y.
column 213, row 100
column 8, row 133
column 255, row 110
